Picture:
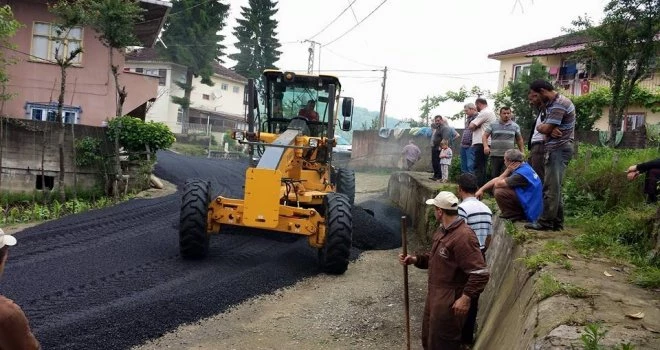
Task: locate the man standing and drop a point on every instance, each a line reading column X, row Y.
column 505, row 135
column 559, row 130
column 442, row 131
column 483, row 119
column 411, row 153
column 467, row 152
column 15, row 330
column 535, row 142
column 479, row 217
column 457, row 273
column 518, row 190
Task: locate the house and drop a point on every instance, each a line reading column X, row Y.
column 34, row 81
column 573, row 77
column 219, row 107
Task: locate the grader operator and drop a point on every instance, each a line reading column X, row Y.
column 291, row 185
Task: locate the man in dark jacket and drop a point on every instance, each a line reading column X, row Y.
column 652, row 170
column 457, row 273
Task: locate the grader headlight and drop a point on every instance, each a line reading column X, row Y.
column 313, row 143
column 239, row 136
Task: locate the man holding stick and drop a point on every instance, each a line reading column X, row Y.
column 457, row 273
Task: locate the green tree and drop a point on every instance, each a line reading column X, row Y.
column 515, row 93
column 115, row 21
column 623, row 49
column 70, row 14
column 257, row 39
column 193, row 40
column 433, row 102
column 8, row 27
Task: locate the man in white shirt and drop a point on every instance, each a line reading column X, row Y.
column 485, row 117
column 479, row 217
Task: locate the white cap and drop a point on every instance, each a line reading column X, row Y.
column 6, row 239
column 444, row 200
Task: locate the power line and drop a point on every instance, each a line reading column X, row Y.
column 357, row 24
column 353, row 11
column 176, row 13
column 352, row 60
column 444, row 74
column 333, row 21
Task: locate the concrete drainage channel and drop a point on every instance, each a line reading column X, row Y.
column 113, row 278
column 512, row 315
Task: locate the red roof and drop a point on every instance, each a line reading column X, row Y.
column 564, row 42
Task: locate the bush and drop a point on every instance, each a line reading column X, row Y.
column 134, row 134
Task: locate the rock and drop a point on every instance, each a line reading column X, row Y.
column 156, row 182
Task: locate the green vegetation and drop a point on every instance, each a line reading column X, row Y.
column 519, row 236
column 551, row 253
column 188, row 149
column 610, row 211
column 135, row 134
column 594, row 333
column 549, row 286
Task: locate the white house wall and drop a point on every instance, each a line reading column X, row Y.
column 226, row 101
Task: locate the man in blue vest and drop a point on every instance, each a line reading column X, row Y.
column 518, row 191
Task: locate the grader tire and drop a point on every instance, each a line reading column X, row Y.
column 193, row 239
column 346, row 183
column 334, row 255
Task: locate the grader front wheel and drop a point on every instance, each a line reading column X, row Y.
column 193, row 239
column 333, row 257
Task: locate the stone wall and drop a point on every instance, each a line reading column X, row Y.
column 23, row 145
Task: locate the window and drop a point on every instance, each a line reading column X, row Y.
column 139, row 70
column 225, row 87
column 162, row 77
column 236, row 89
column 520, row 69
column 48, row 112
column 179, row 115
column 151, row 71
column 632, row 121
column 206, row 97
column 47, row 40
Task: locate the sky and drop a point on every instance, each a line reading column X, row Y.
column 446, row 43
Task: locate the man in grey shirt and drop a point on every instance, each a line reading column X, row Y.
column 505, row 135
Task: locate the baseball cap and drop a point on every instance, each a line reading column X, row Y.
column 444, row 200
column 6, row 239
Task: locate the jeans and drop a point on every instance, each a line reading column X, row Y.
column 480, row 160
column 556, row 162
column 537, row 158
column 435, row 162
column 496, row 166
column 467, row 160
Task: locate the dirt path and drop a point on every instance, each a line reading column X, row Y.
column 362, row 309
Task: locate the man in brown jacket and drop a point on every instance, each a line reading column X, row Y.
column 457, row 273
column 15, row 333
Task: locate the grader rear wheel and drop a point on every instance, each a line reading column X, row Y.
column 333, row 257
column 193, row 239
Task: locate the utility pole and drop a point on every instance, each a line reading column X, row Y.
column 310, row 60
column 382, row 100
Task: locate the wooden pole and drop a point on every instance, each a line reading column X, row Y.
column 404, row 244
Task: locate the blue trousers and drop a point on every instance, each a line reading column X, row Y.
column 467, row 160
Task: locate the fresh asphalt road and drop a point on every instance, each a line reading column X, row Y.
column 113, row 278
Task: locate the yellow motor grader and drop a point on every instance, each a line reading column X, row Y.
column 291, row 185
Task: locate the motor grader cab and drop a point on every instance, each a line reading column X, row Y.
column 291, row 185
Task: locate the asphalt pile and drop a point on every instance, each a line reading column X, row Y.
column 113, row 278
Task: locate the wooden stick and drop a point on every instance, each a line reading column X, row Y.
column 404, row 243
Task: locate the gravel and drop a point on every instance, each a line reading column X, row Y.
column 113, row 278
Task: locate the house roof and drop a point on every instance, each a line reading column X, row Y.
column 571, row 42
column 151, row 55
column 228, row 73
column 149, row 28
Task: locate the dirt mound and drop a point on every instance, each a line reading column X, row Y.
column 378, row 231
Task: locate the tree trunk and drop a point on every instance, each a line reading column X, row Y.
column 60, row 124
column 186, row 95
column 121, row 90
column 115, row 183
column 612, row 117
column 75, row 166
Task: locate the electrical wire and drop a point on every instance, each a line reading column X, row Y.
column 357, row 24
column 352, row 60
column 333, row 21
